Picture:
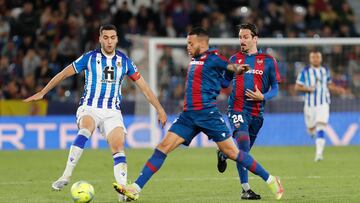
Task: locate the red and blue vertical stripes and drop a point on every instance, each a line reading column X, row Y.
column 262, row 74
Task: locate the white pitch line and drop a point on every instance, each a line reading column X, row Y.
column 190, row 179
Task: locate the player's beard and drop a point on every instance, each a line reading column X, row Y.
column 197, row 51
column 244, row 49
column 109, row 50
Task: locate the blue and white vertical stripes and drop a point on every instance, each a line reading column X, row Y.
column 318, row 78
column 103, row 77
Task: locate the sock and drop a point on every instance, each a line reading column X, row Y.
column 249, row 163
column 245, row 186
column 270, row 179
column 320, row 142
column 120, row 170
column 76, row 151
column 151, row 167
column 243, row 142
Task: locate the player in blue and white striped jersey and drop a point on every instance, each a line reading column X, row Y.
column 105, row 70
column 315, row 82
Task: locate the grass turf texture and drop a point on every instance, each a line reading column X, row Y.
column 188, row 175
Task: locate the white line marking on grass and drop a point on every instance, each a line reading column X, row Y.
column 185, row 179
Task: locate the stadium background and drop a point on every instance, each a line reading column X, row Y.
column 39, row 38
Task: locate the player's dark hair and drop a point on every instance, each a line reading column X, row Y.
column 199, row 32
column 107, row 27
column 315, row 51
column 252, row 27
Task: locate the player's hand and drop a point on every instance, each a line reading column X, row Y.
column 35, row 97
column 238, row 68
column 254, row 96
column 311, row 89
column 162, row 118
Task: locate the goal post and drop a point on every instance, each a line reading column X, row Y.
column 278, row 43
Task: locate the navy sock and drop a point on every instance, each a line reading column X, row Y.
column 80, row 141
column 243, row 141
column 249, row 163
column 151, row 167
column 320, row 134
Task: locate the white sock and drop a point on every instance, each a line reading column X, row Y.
column 320, row 145
column 137, row 187
column 120, row 170
column 74, row 156
column 245, row 186
column 270, row 179
column 120, row 173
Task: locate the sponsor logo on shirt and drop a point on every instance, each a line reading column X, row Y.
column 197, row 63
column 257, row 72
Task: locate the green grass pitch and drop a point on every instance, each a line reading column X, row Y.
column 188, row 175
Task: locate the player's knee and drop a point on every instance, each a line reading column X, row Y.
column 231, row 153
column 164, row 146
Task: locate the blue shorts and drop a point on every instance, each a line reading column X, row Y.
column 209, row 121
column 244, row 122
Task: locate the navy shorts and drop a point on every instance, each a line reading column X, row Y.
column 244, row 122
column 209, row 121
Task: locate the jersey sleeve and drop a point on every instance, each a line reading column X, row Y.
column 220, row 61
column 81, row 63
column 132, row 70
column 301, row 78
column 274, row 73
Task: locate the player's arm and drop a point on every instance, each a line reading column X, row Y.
column 238, row 68
column 300, row 84
column 224, row 64
column 67, row 72
column 274, row 78
column 336, row 89
column 258, row 96
column 303, row 88
column 150, row 96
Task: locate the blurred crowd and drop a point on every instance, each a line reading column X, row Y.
column 39, row 38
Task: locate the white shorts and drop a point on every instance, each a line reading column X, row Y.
column 316, row 114
column 105, row 119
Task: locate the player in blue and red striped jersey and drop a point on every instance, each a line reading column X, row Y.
column 249, row 93
column 200, row 114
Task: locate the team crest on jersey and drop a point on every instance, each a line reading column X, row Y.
column 118, row 64
column 259, row 61
column 239, row 61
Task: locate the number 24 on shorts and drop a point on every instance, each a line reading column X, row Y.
column 237, row 119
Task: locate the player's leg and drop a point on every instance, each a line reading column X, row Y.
column 309, row 117
column 116, row 140
column 181, row 132
column 170, row 142
column 245, row 141
column 232, row 152
column 86, row 126
column 238, row 123
column 322, row 117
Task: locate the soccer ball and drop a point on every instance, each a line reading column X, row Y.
column 82, row 192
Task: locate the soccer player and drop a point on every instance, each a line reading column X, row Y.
column 315, row 82
column 105, row 69
column 249, row 93
column 200, row 114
